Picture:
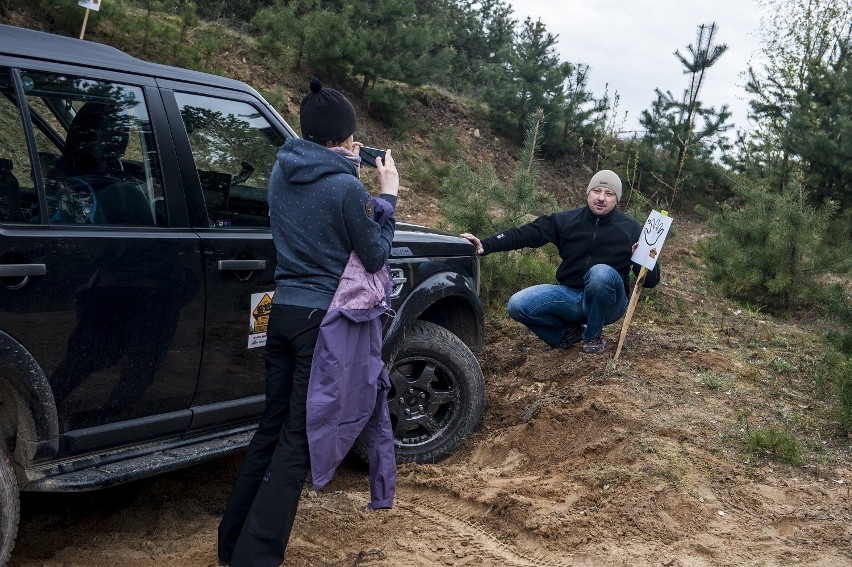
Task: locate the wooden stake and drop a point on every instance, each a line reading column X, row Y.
column 85, row 19
column 634, row 298
column 637, row 289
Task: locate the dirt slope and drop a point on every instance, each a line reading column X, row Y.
column 579, row 461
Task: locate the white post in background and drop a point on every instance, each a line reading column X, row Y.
column 88, row 5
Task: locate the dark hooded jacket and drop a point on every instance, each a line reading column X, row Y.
column 318, row 202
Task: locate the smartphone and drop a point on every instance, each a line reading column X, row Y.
column 369, row 155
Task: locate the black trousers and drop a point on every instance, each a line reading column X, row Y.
column 259, row 515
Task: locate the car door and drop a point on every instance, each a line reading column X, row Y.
column 231, row 145
column 102, row 275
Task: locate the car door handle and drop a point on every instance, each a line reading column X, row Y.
column 22, row 270
column 241, row 265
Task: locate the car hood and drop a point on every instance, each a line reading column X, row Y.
column 411, row 240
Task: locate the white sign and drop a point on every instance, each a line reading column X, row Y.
column 651, row 240
column 90, row 4
column 261, row 307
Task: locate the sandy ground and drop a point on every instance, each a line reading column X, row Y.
column 579, row 461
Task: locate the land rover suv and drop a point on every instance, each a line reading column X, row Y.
column 136, row 271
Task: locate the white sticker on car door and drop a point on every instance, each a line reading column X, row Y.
column 261, row 307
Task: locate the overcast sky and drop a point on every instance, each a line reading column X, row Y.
column 630, row 45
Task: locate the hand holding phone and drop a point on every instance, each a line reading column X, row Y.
column 369, row 155
column 388, row 175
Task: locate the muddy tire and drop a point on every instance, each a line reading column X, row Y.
column 9, row 509
column 437, row 395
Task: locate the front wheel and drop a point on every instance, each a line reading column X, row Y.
column 9, row 509
column 437, row 395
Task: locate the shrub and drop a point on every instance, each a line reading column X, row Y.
column 768, row 248
column 468, row 198
column 65, row 16
column 388, row 105
column 775, row 442
column 504, row 274
column 833, row 373
column 445, row 143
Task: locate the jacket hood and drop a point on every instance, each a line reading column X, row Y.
column 305, row 162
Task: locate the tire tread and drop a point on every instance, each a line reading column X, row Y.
column 10, row 509
column 444, row 342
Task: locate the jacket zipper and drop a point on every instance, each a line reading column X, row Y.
column 594, row 237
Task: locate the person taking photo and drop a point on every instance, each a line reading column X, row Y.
column 320, row 213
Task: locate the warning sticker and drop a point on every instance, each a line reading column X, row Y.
column 261, row 307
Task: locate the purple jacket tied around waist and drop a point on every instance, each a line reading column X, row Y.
column 349, row 384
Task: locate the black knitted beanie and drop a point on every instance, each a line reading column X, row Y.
column 326, row 115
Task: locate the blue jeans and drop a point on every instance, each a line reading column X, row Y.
column 548, row 310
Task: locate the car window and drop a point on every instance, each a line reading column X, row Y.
column 234, row 147
column 97, row 152
column 16, row 187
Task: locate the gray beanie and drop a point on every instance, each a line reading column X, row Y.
column 326, row 115
column 608, row 179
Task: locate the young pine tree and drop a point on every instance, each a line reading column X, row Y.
column 768, row 250
column 471, row 195
column 476, row 201
column 681, row 129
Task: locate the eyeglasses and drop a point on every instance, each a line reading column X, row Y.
column 608, row 193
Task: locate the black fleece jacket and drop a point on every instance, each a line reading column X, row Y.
column 583, row 239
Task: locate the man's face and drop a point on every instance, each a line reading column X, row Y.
column 601, row 200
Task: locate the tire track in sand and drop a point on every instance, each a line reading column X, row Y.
column 454, row 515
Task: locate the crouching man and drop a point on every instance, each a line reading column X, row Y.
column 595, row 243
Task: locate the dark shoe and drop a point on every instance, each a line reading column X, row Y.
column 594, row 345
column 569, row 338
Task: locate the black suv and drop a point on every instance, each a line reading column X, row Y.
column 136, row 270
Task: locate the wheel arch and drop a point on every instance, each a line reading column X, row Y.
column 446, row 299
column 31, row 431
